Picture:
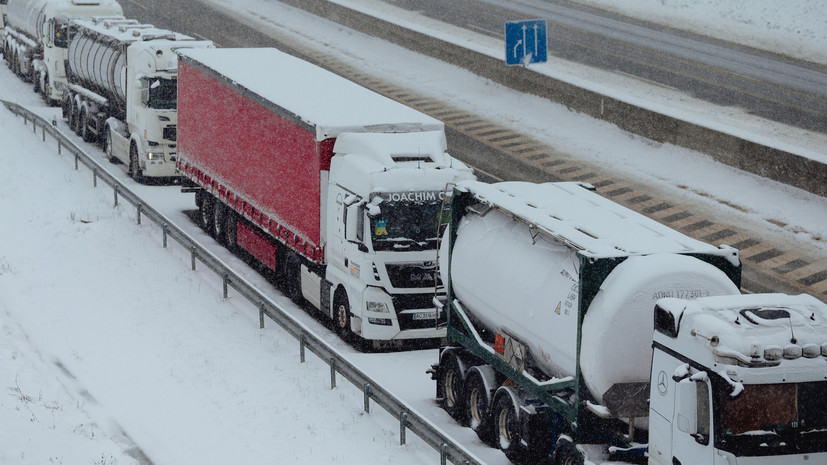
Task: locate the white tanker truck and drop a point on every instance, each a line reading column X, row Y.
column 122, row 91
column 553, row 297
column 34, row 39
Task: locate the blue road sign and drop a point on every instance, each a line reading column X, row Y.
column 525, row 42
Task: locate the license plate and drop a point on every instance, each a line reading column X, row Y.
column 425, row 316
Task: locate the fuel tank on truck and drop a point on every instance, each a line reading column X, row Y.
column 515, row 267
column 30, row 16
column 98, row 62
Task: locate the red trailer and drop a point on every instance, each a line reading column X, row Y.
column 259, row 132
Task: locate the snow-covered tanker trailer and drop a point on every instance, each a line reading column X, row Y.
column 35, row 34
column 551, row 297
column 122, row 91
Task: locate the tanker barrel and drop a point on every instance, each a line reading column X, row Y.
column 97, row 64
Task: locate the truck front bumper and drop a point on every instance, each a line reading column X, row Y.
column 395, row 324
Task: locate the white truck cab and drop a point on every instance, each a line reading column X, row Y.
column 381, row 249
column 739, row 380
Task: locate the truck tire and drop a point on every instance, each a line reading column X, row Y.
column 506, row 418
column 292, row 279
column 478, row 392
column 231, row 229
column 219, row 223
column 107, row 148
column 449, row 385
column 35, row 82
column 85, row 132
column 66, row 108
column 566, row 453
column 341, row 316
column 206, row 212
column 134, row 166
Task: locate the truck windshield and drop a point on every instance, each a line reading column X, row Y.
column 404, row 227
column 775, row 419
column 163, row 94
column 61, row 35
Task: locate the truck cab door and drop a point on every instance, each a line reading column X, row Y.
column 336, row 249
column 692, row 442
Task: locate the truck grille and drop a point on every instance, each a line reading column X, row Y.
column 411, row 276
column 171, row 133
column 415, row 302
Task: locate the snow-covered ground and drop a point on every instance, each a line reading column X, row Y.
column 795, row 28
column 110, row 342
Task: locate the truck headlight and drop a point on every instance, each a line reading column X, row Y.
column 378, row 307
column 155, row 156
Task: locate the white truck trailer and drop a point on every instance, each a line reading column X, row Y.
column 34, row 42
column 553, row 297
column 122, row 91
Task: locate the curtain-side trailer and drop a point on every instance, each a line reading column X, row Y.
column 334, row 188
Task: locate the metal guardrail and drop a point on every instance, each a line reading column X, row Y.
column 409, row 419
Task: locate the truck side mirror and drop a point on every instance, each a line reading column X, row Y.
column 687, row 407
column 354, row 225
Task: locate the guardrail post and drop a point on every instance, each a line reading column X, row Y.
column 59, row 147
column 224, row 279
column 367, row 398
column 443, row 454
column 332, row 373
column 140, row 207
column 193, row 258
column 302, row 340
column 44, row 133
column 403, row 424
column 76, row 161
column 115, row 190
column 34, row 126
column 95, row 177
column 261, row 315
column 164, row 229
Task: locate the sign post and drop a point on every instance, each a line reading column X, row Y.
column 525, row 42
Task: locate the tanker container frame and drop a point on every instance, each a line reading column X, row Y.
column 333, row 188
column 35, row 39
column 487, row 377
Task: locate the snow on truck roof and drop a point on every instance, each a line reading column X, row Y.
column 751, row 328
column 319, row 100
column 573, row 214
column 129, row 30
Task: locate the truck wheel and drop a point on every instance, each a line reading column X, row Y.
column 231, row 229
column 507, row 424
column 44, row 89
column 292, row 279
column 85, row 133
column 218, row 223
column 206, row 213
column 66, row 108
column 567, row 453
column 449, row 387
column 35, row 82
column 341, row 316
column 135, row 167
column 478, row 393
column 107, row 148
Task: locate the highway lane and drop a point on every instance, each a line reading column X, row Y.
column 775, row 87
